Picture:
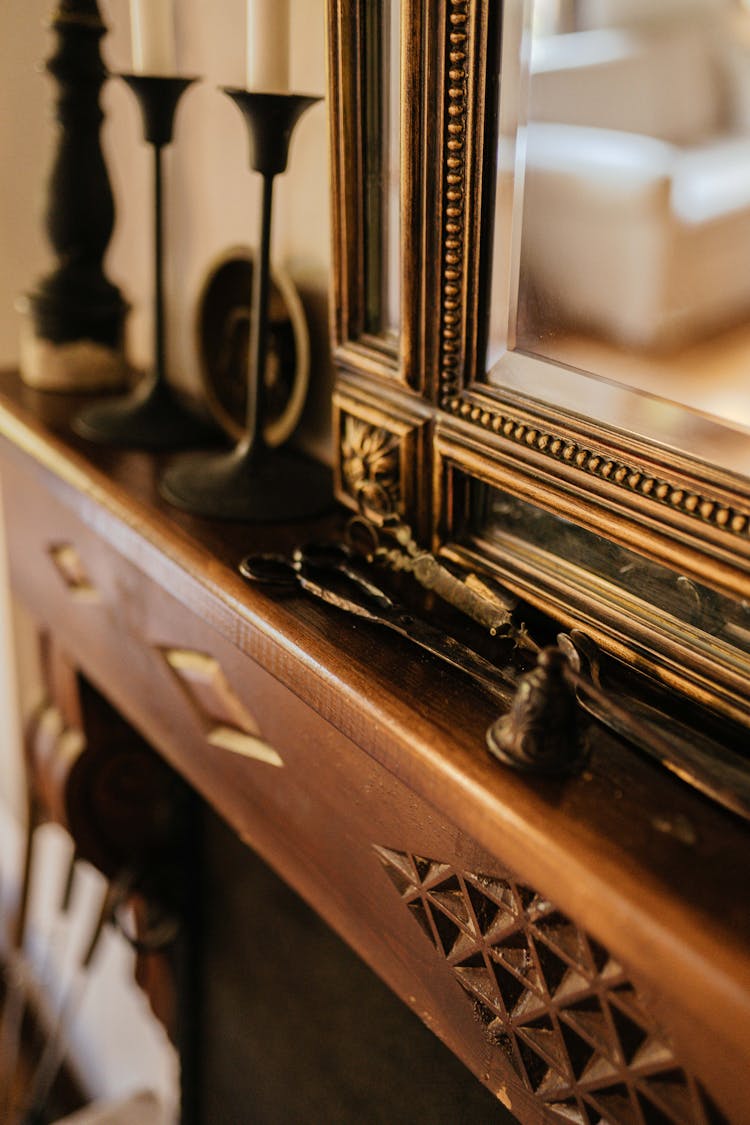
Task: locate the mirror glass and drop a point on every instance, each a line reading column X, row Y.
column 382, row 163
column 621, row 241
column 588, row 573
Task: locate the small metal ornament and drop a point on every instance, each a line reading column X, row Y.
column 540, row 732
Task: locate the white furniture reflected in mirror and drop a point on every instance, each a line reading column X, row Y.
column 624, row 197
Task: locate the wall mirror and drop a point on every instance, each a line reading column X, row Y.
column 572, row 407
column 622, row 216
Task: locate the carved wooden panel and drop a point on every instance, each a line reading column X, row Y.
column 71, row 569
column 567, row 1017
column 378, row 454
column 229, row 724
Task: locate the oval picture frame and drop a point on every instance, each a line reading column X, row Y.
column 221, row 320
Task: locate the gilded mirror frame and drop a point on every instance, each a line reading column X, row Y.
column 437, row 428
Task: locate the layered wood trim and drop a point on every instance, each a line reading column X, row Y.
column 674, row 652
column 365, row 359
column 716, row 499
column 670, row 510
column 670, row 507
column 345, row 120
column 411, row 209
column 348, row 75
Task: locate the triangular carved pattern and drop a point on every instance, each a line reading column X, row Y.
column 563, row 1012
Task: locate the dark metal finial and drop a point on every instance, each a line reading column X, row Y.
column 540, row 732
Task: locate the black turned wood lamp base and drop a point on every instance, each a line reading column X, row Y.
column 72, row 326
column 282, row 485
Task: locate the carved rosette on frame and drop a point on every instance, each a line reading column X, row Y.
column 377, row 458
column 370, row 463
column 567, row 1017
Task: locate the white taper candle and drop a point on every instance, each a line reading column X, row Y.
column 268, row 46
column 152, row 23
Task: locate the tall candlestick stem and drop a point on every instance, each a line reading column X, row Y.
column 259, row 327
column 254, row 482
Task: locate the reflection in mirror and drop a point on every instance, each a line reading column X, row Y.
column 382, row 135
column 622, row 224
column 624, row 584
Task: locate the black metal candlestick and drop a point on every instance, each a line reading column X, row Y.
column 253, row 482
column 151, row 417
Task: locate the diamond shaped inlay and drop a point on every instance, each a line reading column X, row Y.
column 227, row 722
column 553, row 1001
column 70, row 567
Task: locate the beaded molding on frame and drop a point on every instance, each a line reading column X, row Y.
column 566, row 1017
column 704, row 508
column 708, row 510
column 455, row 193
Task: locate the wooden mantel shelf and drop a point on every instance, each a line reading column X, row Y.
column 384, row 760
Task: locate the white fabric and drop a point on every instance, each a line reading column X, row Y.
column 662, row 85
column 609, row 13
column 143, row 1108
column 600, row 158
column 636, row 200
column 635, row 239
column 712, row 181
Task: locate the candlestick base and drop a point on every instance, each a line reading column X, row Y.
column 280, row 485
column 149, row 418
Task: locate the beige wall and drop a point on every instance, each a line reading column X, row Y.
column 25, row 131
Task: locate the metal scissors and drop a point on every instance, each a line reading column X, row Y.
column 329, row 573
